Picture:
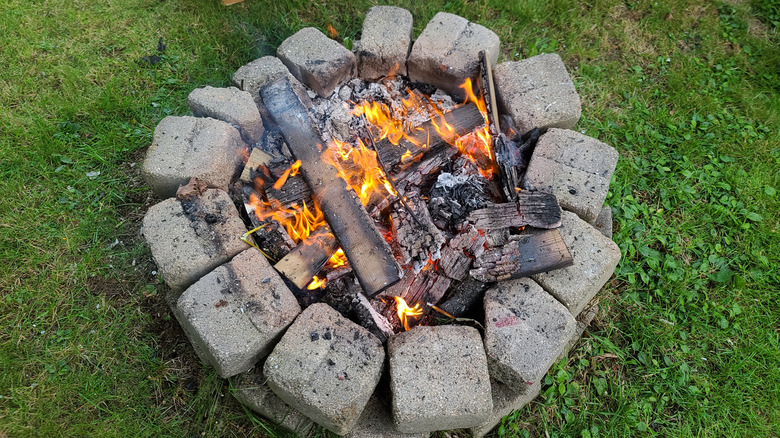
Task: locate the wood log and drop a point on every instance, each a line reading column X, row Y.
column 425, row 138
column 308, row 258
column 465, row 297
column 524, row 255
column 454, row 263
column 369, row 255
column 539, row 210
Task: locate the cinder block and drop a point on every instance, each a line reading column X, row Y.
column 376, row 422
column 595, row 258
column 230, row 105
column 447, row 52
column 237, row 312
column 505, row 401
column 326, row 367
column 252, row 391
column 384, row 42
column 188, row 239
column 260, row 72
column 317, row 61
column 526, row 330
column 537, row 93
column 603, row 221
column 573, row 167
column 439, row 379
column 583, row 321
column 192, row 147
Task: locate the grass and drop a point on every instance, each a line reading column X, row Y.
column 686, row 343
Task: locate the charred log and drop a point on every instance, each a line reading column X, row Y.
column 426, row 138
column 524, row 255
column 369, row 255
column 307, row 259
column 539, row 210
column 466, row 296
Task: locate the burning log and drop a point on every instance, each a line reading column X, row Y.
column 524, row 255
column 539, row 210
column 287, row 189
column 418, row 238
column 369, row 255
column 426, row 137
column 307, row 259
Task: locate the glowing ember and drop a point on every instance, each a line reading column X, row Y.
column 317, row 283
column 405, row 312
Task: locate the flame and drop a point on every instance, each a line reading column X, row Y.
column 317, row 283
column 477, row 146
column 358, row 166
column 395, row 124
column 299, row 222
column 338, row 259
column 292, row 171
column 405, row 312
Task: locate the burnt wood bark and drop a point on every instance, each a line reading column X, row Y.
column 463, row 120
column 539, row 210
column 307, row 259
column 522, row 256
column 465, row 297
column 369, row 255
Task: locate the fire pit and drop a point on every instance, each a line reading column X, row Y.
column 384, row 242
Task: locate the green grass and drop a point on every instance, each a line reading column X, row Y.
column 686, row 343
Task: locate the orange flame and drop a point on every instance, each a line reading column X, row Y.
column 405, row 312
column 317, row 283
column 299, row 222
column 394, row 125
column 292, row 171
column 358, row 166
column 338, row 259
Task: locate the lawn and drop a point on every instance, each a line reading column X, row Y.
column 687, row 341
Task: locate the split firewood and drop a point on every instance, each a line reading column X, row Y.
column 539, row 210
column 524, row 255
column 308, row 258
column 368, row 253
column 418, row 238
column 428, row 287
column 269, row 235
column 426, row 137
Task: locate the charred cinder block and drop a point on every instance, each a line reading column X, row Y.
column 190, row 238
column 573, row 167
column 525, row 331
column 230, row 105
column 192, row 147
column 595, row 258
column 538, row 93
column 439, row 379
column 447, row 52
column 237, row 312
column 253, row 391
column 317, row 61
column 327, row 367
column 384, row 42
